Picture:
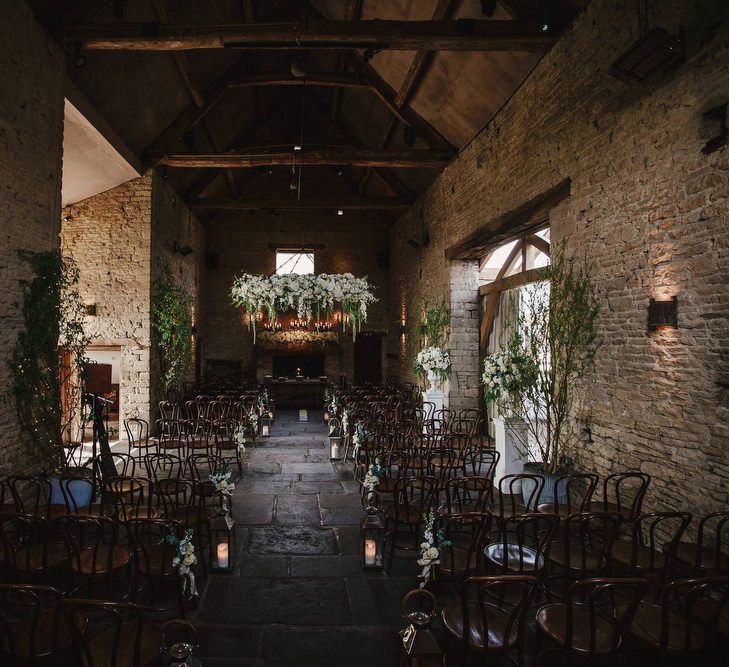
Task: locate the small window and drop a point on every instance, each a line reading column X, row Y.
column 299, row 262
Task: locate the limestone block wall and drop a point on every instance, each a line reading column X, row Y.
column 174, row 226
column 244, row 244
column 109, row 237
column 647, row 217
column 31, row 131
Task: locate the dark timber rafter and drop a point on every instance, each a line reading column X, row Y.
column 355, row 157
column 291, row 204
column 460, row 35
column 180, row 59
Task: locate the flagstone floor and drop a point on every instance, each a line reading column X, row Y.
column 298, row 595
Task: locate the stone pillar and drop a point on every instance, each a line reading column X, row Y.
column 464, row 378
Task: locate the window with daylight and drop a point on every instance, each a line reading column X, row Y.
column 294, row 261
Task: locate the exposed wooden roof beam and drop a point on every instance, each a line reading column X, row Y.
column 522, row 219
column 355, row 157
column 189, row 118
column 458, row 35
column 344, row 203
column 252, row 129
column 517, row 280
column 182, row 65
column 314, row 79
column 345, row 130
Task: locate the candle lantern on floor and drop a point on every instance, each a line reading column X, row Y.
column 222, row 543
column 372, row 534
column 335, row 440
column 419, row 647
column 265, row 421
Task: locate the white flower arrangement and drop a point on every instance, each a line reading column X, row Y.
column 307, row 294
column 252, row 414
column 357, row 437
column 504, row 372
column 372, row 478
column 434, row 362
column 220, row 479
column 184, row 559
column 239, row 435
column 429, row 552
column 275, row 339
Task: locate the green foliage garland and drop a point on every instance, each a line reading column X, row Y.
column 435, row 323
column 172, row 324
column 49, row 360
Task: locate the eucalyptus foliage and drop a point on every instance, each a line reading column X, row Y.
column 435, row 322
column 49, row 359
column 173, row 327
column 555, row 329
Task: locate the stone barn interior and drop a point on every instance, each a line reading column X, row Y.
column 364, row 332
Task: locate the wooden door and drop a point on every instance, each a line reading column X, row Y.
column 368, row 359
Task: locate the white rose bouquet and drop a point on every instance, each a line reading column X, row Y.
column 429, row 552
column 506, row 371
column 220, row 479
column 433, row 362
column 184, row 559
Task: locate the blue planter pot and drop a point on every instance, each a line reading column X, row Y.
column 549, row 490
column 80, row 492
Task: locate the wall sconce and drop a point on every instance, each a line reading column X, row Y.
column 90, row 309
column 400, row 327
column 663, row 314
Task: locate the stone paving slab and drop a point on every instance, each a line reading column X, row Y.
column 305, row 541
column 265, row 601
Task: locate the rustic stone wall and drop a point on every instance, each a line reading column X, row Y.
column 109, row 237
column 175, row 226
column 120, row 239
column 31, row 131
column 243, row 245
column 647, row 217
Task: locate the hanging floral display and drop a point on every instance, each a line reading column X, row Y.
column 308, row 295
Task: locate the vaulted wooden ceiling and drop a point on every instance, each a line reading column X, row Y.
column 379, row 94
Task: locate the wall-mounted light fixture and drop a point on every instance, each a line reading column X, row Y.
column 400, row 327
column 663, row 314
column 90, row 309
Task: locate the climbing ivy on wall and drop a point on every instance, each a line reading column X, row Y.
column 435, row 321
column 49, row 359
column 173, row 328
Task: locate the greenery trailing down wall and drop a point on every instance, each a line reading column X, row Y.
column 435, row 321
column 49, row 360
column 172, row 324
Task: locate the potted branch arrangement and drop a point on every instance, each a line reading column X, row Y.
column 172, row 324
column 534, row 378
column 49, row 366
column 433, row 362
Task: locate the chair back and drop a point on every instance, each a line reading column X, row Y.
column 626, row 491
column 712, row 548
column 105, row 634
column 31, row 494
column 137, row 433
column 25, row 540
column 29, row 622
column 163, row 466
column 467, row 494
column 154, row 548
column 77, row 489
column 651, row 530
column 482, row 461
column 524, row 541
column 463, row 537
column 511, row 488
column 590, row 597
column 486, row 600
column 131, row 495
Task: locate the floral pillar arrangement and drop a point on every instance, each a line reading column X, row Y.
column 433, row 362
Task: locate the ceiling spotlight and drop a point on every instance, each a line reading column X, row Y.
column 79, row 60
column 408, row 135
column 371, row 52
column 297, row 69
column 488, row 7
column 340, row 211
column 297, row 147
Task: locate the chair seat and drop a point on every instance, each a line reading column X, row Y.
column 686, row 555
column 562, row 511
column 552, row 620
column 192, row 516
column 51, row 512
column 516, row 559
column 598, row 506
column 456, row 562
column 621, row 555
column 141, row 512
column 32, row 558
column 169, row 444
column 101, row 646
column 559, row 555
column 156, row 562
column 108, row 559
column 410, row 514
column 40, row 634
column 647, row 628
column 497, row 620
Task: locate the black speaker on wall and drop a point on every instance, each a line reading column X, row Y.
column 211, row 261
column 383, row 259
